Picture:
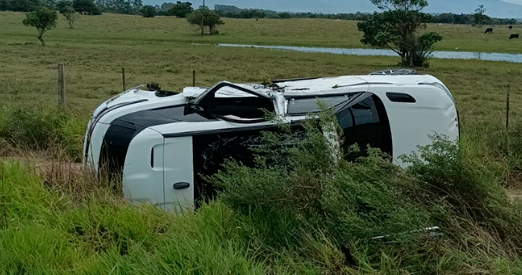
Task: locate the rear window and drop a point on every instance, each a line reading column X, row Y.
column 365, row 123
column 304, row 105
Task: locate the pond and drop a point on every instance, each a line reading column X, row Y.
column 515, row 58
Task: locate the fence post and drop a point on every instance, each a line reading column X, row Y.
column 123, row 78
column 508, row 149
column 193, row 78
column 61, row 84
column 507, row 106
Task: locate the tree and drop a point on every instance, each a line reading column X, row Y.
column 148, row 11
column 120, row 6
column 66, row 9
column 62, row 5
column 203, row 17
column 180, row 9
column 86, row 7
column 23, row 5
column 403, row 5
column 43, row 19
column 5, row 5
column 70, row 15
column 480, row 17
column 397, row 28
column 166, row 6
column 284, row 15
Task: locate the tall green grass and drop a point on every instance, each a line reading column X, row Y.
column 49, row 232
column 303, row 216
column 351, row 203
column 27, row 129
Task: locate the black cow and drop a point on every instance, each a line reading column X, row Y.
column 489, row 30
column 513, row 36
column 510, row 27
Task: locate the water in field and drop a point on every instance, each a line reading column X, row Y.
column 515, row 58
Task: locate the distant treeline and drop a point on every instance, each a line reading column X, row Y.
column 120, row 6
column 235, row 12
column 450, row 18
column 182, row 8
column 94, row 6
column 24, row 5
column 447, row 18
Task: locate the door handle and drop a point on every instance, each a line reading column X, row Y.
column 181, row 185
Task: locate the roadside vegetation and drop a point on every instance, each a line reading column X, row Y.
column 301, row 216
column 56, row 219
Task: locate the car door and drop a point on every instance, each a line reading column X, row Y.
column 233, row 110
column 178, row 175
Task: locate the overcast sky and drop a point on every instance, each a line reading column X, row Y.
column 518, row 2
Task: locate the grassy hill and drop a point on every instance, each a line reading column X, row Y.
column 166, row 50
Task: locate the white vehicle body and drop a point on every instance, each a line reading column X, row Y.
column 160, row 144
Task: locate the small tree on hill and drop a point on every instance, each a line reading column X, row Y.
column 148, row 11
column 480, row 17
column 43, row 19
column 67, row 10
column 203, row 18
column 180, row 9
column 397, row 28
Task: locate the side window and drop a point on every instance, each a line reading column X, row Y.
column 237, row 104
column 365, row 124
column 305, row 105
column 210, row 152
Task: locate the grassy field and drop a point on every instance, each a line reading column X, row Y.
column 136, row 30
column 166, row 50
column 162, row 50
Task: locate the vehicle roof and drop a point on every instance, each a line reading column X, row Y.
column 322, row 86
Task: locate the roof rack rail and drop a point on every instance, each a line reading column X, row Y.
column 294, row 79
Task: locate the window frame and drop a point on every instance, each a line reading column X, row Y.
column 208, row 98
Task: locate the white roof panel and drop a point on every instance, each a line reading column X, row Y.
column 331, row 84
column 321, row 86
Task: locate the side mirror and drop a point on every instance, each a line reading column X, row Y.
column 189, row 109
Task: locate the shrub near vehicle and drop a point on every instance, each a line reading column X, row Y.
column 161, row 143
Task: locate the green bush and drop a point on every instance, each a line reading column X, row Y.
column 148, row 11
column 311, row 190
column 47, row 232
column 300, row 210
column 32, row 129
column 27, row 129
column 305, row 189
column 72, row 136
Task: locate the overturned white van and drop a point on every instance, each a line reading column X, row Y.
column 162, row 142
